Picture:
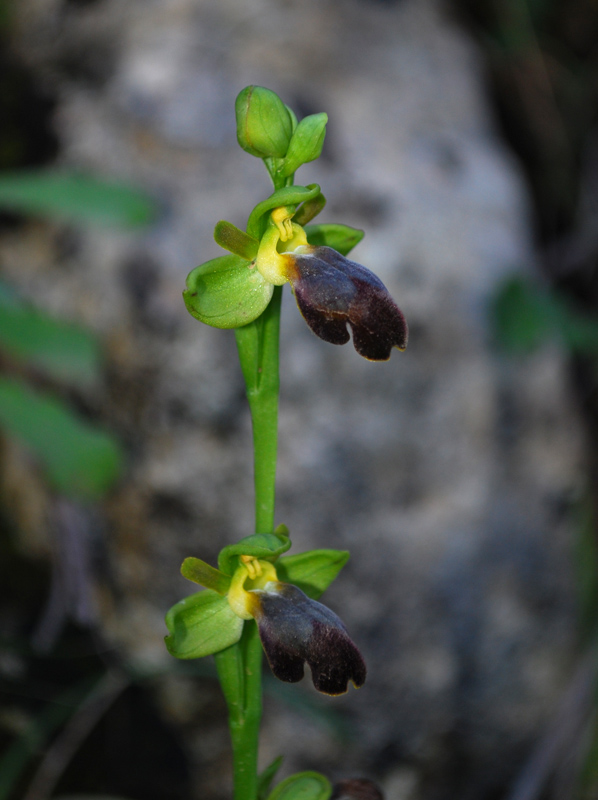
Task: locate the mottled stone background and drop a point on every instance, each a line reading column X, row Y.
column 449, row 472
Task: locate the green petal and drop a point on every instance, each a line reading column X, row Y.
column 312, row 572
column 306, row 143
column 310, row 209
column 287, row 196
column 226, row 292
column 235, row 240
column 303, row 786
column 196, row 570
column 260, row 545
column 200, row 625
column 342, row 238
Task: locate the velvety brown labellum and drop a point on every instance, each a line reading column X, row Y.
column 332, row 291
column 295, row 629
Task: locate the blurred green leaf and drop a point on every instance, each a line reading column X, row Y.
column 65, row 351
column 525, row 315
column 80, row 460
column 75, row 197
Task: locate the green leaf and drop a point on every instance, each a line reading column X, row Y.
column 266, row 777
column 80, row 460
column 303, row 786
column 66, row 352
column 306, row 143
column 264, row 125
column 196, row 570
column 523, row 314
column 261, row 545
column 579, row 331
column 200, row 625
column 310, row 209
column 75, row 197
column 226, row 292
column 287, row 196
column 235, row 240
column 312, row 572
column 342, row 238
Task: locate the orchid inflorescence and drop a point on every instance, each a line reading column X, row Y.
column 293, row 627
column 259, row 597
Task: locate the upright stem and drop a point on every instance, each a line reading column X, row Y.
column 240, row 673
column 240, row 666
column 258, row 353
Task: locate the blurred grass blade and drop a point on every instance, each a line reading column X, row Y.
column 80, row 460
column 64, row 351
column 18, row 755
column 75, row 197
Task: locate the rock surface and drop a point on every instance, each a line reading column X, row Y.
column 445, row 471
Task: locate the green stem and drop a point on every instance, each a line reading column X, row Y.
column 240, row 666
column 240, row 673
column 258, row 352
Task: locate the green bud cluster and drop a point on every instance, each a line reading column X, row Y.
column 268, row 129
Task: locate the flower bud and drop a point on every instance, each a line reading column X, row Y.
column 306, row 143
column 264, row 125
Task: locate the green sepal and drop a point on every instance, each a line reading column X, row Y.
column 312, row 572
column 235, row 240
column 200, row 625
column 303, row 786
column 293, row 117
column 309, row 210
column 226, row 292
column 266, row 776
column 196, row 570
column 261, row 545
column 264, row 125
column 342, row 238
column 306, row 143
column 287, row 196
